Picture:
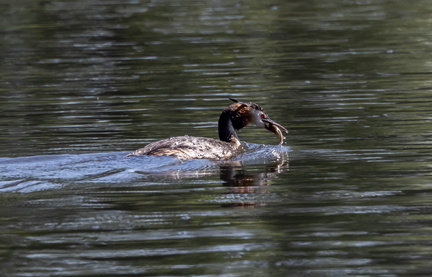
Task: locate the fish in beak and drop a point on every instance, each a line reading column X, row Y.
column 275, row 128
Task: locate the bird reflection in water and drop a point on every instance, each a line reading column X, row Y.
column 246, row 181
column 249, row 188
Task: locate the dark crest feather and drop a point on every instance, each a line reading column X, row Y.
column 252, row 105
column 240, row 102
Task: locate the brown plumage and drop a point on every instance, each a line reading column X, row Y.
column 234, row 117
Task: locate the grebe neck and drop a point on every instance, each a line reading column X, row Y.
column 226, row 129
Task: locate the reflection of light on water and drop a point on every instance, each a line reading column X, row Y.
column 27, row 174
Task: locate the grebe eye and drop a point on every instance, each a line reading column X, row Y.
column 262, row 115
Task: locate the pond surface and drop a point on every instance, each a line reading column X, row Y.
column 83, row 83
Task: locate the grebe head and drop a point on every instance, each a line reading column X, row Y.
column 244, row 114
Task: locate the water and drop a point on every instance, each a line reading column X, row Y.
column 86, row 82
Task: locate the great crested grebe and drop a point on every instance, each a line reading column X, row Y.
column 235, row 117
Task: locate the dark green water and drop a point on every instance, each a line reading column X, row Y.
column 85, row 82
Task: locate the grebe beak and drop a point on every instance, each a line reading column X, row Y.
column 275, row 128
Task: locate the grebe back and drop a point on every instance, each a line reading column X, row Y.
column 234, row 117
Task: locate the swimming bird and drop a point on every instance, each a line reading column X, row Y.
column 234, row 117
